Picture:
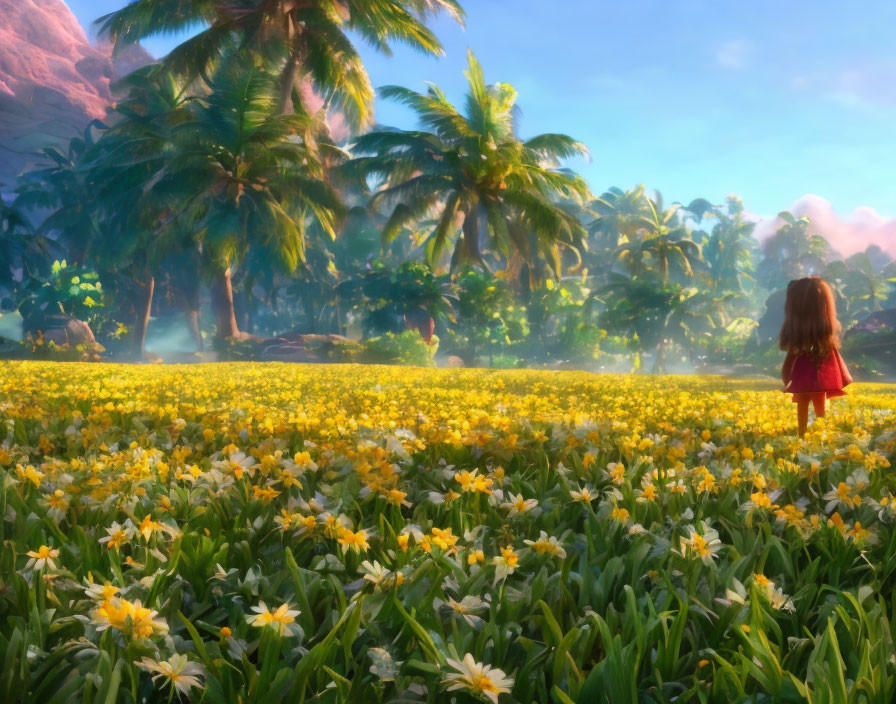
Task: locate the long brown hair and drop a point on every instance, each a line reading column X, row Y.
column 810, row 318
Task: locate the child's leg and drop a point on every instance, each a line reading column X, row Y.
column 802, row 411
column 818, row 401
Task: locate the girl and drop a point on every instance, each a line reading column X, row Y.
column 813, row 370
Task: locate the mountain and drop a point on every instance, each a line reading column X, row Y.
column 53, row 82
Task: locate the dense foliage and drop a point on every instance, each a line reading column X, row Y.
column 253, row 533
column 239, row 182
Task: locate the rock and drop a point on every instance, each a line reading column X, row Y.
column 52, row 81
column 451, row 362
column 302, row 348
column 59, row 329
column 311, row 340
column 289, row 353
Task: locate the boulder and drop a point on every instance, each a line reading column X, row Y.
column 59, row 329
column 302, row 348
column 451, row 362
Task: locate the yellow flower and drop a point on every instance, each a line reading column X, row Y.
column 442, row 538
column 265, row 494
column 475, row 556
column 619, row 514
column 29, row 474
column 148, row 526
column 616, row 470
column 131, row 618
column 762, row 580
column 356, row 541
column 505, row 563
column 466, row 479
column 43, row 557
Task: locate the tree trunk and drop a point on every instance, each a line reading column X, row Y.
column 659, row 364
column 144, row 310
column 192, row 318
column 287, row 83
column 472, row 237
column 222, row 300
column 192, row 302
column 308, row 307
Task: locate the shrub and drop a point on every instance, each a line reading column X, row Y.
column 406, row 348
column 38, row 348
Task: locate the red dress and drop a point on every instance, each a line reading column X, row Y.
column 803, row 375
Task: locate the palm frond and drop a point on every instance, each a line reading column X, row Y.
column 145, row 18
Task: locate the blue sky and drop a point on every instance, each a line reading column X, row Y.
column 768, row 99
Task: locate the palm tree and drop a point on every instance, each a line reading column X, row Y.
column 656, row 240
column 655, row 314
column 24, row 254
column 134, row 239
column 471, row 172
column 792, row 253
column 64, row 188
column 666, row 254
column 242, row 175
column 619, row 214
column 312, row 38
column 864, row 288
column 730, row 248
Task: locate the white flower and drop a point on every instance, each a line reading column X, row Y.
column 466, row 608
column 178, row 670
column 478, row 679
column 379, row 576
column 101, row 592
column 517, row 505
column 547, row 545
column 118, row 534
column 585, row 494
column 282, row 619
column 699, row 546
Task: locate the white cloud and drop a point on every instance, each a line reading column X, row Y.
column 734, row 54
column 847, row 234
column 854, row 86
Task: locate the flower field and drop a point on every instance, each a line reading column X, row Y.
column 251, row 532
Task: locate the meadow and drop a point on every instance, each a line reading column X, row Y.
column 260, row 532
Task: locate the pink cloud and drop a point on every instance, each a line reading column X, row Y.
column 847, row 234
column 340, row 130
